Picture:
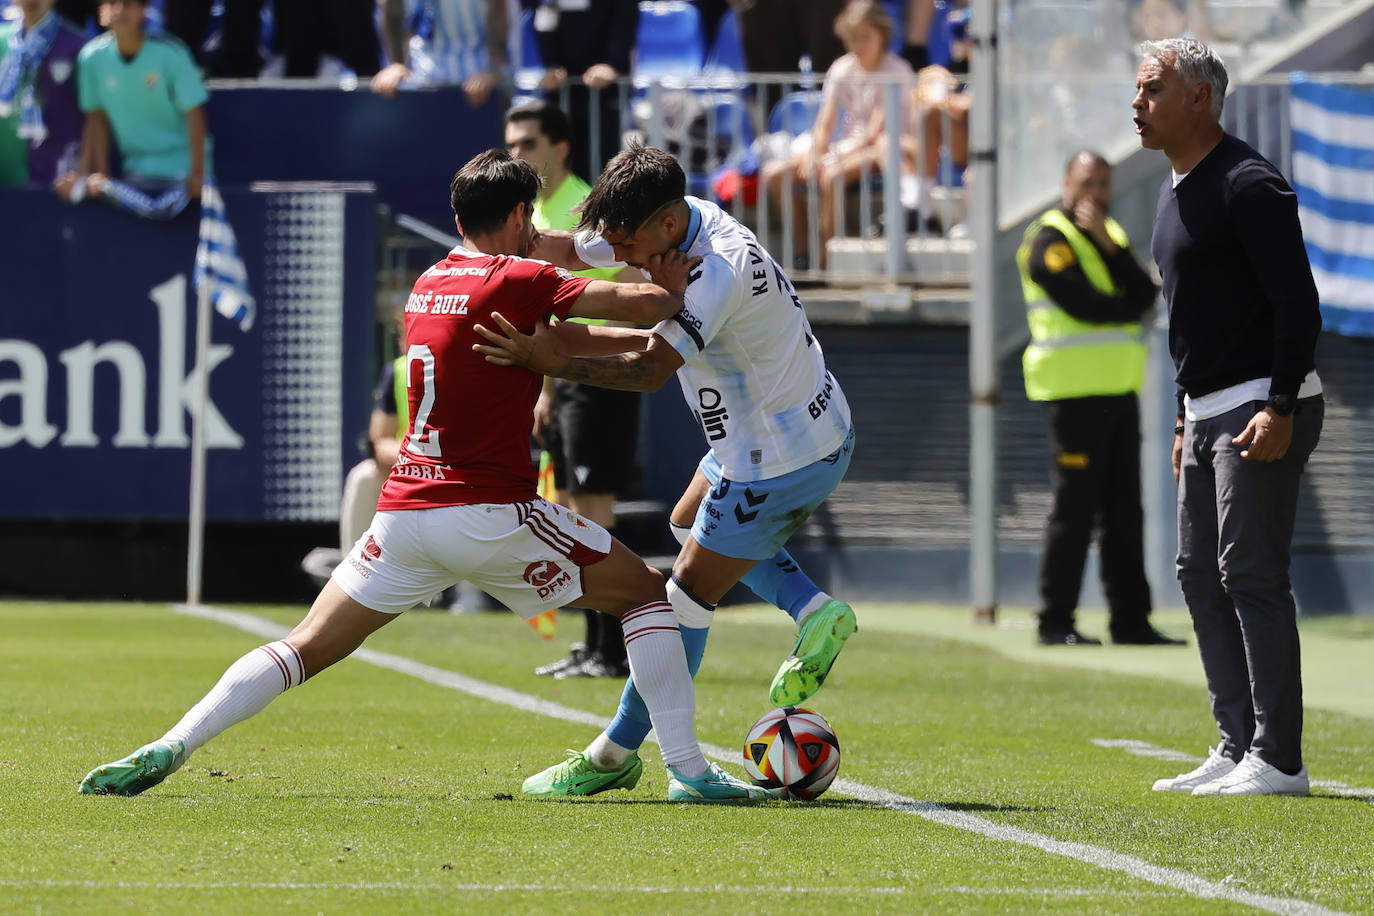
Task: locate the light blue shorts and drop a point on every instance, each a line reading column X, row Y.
column 752, row 521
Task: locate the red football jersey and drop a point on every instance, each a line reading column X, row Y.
column 469, row 435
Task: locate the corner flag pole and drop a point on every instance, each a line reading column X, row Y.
column 983, row 382
column 195, row 543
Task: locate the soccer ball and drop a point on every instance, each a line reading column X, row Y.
column 792, row 752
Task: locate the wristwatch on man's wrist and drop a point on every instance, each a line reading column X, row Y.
column 1282, row 404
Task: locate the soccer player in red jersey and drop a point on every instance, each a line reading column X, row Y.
column 460, row 502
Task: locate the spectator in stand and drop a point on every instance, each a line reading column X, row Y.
column 920, row 16
column 711, row 12
column 593, row 38
column 309, row 29
column 236, row 54
column 590, row 433
column 40, row 123
column 943, row 98
column 776, row 33
column 466, row 45
column 145, row 91
column 856, row 102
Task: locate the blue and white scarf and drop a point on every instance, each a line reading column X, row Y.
column 218, row 262
column 20, row 66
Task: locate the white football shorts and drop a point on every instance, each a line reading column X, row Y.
column 528, row 555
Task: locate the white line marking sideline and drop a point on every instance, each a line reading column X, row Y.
column 1146, row 749
column 1082, row 852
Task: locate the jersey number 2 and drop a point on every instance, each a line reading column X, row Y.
column 422, row 441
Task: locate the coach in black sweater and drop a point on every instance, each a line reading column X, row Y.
column 1243, row 324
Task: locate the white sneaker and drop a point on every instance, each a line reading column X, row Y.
column 1255, row 777
column 1214, row 767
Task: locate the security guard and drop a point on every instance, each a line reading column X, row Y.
column 1085, row 295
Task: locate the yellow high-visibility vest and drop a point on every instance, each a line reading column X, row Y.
column 1068, row 358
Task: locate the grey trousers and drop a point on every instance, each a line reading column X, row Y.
column 1235, row 531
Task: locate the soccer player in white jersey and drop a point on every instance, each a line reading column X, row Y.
column 775, row 419
column 460, row 502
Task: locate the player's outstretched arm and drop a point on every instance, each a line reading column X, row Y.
column 645, row 368
column 640, row 303
column 556, row 247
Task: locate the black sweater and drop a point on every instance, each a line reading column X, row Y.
column 1069, row 288
column 1237, row 283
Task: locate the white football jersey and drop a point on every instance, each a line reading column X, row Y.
column 754, row 374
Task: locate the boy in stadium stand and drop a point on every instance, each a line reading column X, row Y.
column 466, row 46
column 460, row 502
column 144, row 89
column 590, row 433
column 40, row 123
column 753, row 373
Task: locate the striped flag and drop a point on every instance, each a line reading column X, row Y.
column 218, row 263
column 1333, row 174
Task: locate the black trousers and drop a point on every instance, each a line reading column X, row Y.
column 1235, row 537
column 1096, row 475
column 237, row 56
column 309, row 29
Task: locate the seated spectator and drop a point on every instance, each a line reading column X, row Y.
column 466, row 45
column 40, row 123
column 309, row 29
column 142, row 89
column 857, row 104
column 920, row 17
column 235, row 55
column 943, row 99
column 774, row 35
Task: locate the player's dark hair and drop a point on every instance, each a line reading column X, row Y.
column 553, row 122
column 636, row 184
column 484, row 191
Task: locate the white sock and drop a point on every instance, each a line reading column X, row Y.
column 925, row 200
column 688, row 609
column 812, row 606
column 659, row 666
column 606, row 755
column 244, row 690
column 909, row 191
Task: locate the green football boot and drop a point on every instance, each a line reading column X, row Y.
column 576, row 776
column 820, row 638
column 140, row 771
column 715, row 786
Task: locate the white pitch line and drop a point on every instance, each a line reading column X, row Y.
column 1146, row 749
column 1184, row 881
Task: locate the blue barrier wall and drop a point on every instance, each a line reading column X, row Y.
column 97, row 322
column 409, row 147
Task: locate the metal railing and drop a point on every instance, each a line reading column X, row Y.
column 727, row 126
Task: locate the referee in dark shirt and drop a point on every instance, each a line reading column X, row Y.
column 1243, row 325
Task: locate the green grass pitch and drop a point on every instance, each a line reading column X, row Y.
column 971, row 781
